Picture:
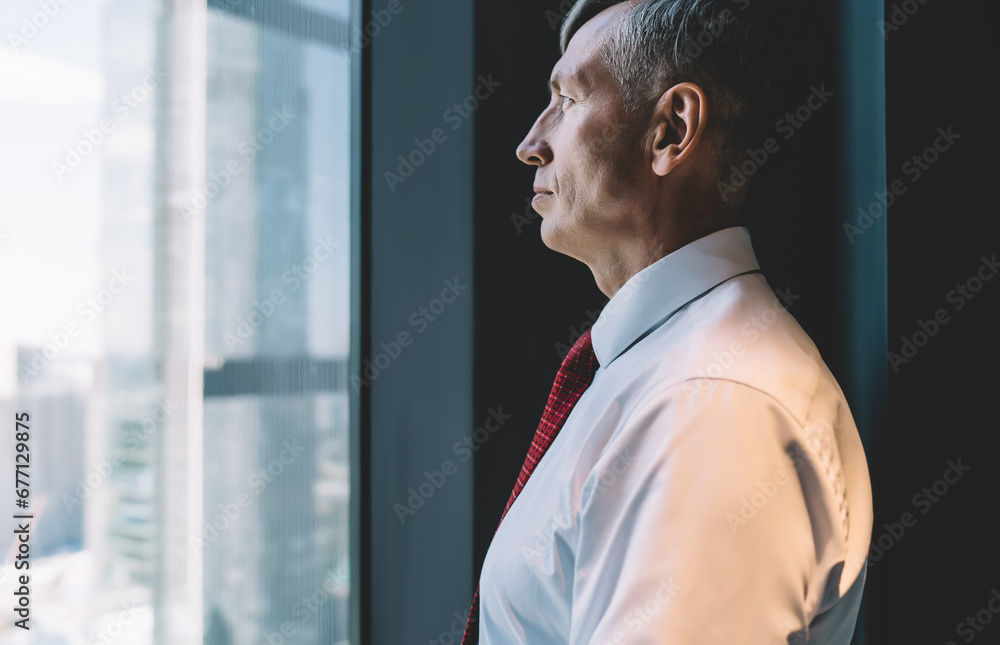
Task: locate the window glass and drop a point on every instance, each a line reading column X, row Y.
column 176, row 279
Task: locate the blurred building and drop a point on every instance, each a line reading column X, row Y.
column 196, row 469
column 275, row 406
column 61, row 421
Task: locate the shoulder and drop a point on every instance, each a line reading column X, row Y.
column 744, row 333
column 736, row 393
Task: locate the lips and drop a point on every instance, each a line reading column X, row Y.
column 540, row 196
column 541, row 192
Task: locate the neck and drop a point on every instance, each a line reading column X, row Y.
column 615, row 268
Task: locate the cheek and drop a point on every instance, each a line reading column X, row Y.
column 608, row 180
column 611, row 157
column 598, row 165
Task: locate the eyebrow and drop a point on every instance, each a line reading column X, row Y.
column 553, row 85
column 576, row 78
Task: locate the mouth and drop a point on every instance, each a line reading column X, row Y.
column 541, row 195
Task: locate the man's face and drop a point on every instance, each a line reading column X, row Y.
column 591, row 182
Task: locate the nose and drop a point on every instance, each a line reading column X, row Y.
column 534, row 150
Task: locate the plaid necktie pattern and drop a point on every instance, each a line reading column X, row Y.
column 574, row 376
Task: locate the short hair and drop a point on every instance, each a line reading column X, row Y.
column 744, row 54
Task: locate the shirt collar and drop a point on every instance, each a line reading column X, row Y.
column 655, row 293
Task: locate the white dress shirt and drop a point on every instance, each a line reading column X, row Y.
column 709, row 487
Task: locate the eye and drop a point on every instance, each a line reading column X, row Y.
column 564, row 102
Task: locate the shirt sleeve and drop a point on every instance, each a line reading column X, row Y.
column 698, row 525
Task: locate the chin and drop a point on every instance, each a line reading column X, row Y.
column 549, row 233
column 555, row 236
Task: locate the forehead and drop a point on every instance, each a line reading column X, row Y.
column 581, row 63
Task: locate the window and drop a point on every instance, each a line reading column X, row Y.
column 179, row 236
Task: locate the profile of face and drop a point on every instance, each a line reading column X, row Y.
column 608, row 186
column 590, row 173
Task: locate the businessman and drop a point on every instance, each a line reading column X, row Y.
column 697, row 477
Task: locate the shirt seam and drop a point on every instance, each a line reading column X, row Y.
column 800, row 422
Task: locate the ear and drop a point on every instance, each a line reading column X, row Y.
column 679, row 120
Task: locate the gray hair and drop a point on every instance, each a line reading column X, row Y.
column 738, row 51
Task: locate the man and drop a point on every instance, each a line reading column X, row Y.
column 703, row 481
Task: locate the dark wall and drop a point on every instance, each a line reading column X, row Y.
column 943, row 399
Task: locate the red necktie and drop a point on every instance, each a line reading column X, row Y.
column 575, row 375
